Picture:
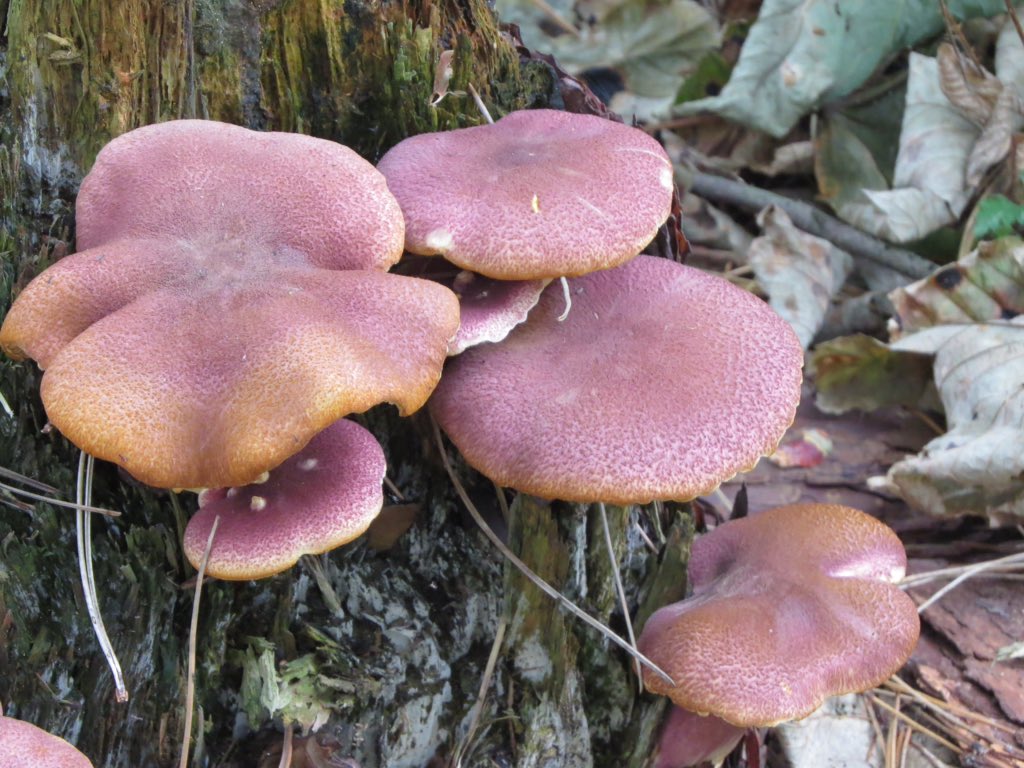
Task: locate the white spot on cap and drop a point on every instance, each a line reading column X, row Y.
column 232, row 492
column 262, row 478
column 257, row 503
column 308, row 464
column 535, row 204
column 439, row 240
column 665, row 177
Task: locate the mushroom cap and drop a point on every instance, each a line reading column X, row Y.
column 322, row 497
column 219, row 313
column 662, row 383
column 206, row 389
column 288, row 191
column 23, row 745
column 538, row 194
column 490, row 309
column 789, row 607
column 690, row 739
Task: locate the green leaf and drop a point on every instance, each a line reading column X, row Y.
column 998, row 216
column 801, row 54
column 653, row 45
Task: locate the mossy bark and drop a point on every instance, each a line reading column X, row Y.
column 388, row 648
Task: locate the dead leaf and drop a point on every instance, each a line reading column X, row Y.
column 861, row 372
column 986, row 284
column 977, row 466
column 801, row 273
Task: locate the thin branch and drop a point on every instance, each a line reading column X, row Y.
column 485, row 685
column 1016, row 20
column 59, row 502
column 620, row 590
column 537, row 581
column 286, row 747
column 83, row 533
column 814, row 221
column 190, row 680
column 480, row 103
column 968, row 573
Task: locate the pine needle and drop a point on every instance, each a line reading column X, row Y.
column 190, row 680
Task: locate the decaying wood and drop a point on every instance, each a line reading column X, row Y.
column 385, row 649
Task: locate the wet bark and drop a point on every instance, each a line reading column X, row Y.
column 384, row 650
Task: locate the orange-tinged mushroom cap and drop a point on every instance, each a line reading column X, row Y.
column 538, row 194
column 320, row 498
column 662, row 383
column 23, row 745
column 210, row 388
column 789, row 607
column 229, row 303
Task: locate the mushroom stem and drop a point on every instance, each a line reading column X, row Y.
column 480, row 104
column 567, row 297
column 542, row 585
column 83, row 528
column 620, row 591
column 286, row 747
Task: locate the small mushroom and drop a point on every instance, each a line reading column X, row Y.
column 663, row 382
column 23, row 745
column 322, row 497
column 490, row 309
column 789, row 607
column 538, row 194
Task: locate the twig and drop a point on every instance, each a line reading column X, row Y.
column 814, row 221
column 537, row 581
column 968, row 572
column 83, row 534
column 917, row 579
column 620, row 591
column 559, row 21
column 59, row 502
column 286, row 747
column 480, row 103
column 190, row 680
column 914, row 724
column 17, row 477
column 1016, row 20
column 5, row 406
column 485, row 685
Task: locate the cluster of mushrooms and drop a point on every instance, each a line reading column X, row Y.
column 230, row 303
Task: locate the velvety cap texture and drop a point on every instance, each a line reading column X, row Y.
column 229, row 300
column 789, row 607
column 322, row 497
column 288, row 191
column 538, row 194
column 489, row 309
column 663, row 382
column 207, row 388
column 23, row 745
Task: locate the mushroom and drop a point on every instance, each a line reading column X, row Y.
column 538, row 194
column 228, row 302
column 23, row 745
column 322, row 497
column 789, row 607
column 662, row 383
column 490, row 309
